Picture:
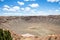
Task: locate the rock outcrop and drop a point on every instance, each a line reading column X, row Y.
column 34, row 37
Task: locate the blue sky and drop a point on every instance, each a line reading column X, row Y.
column 29, row 7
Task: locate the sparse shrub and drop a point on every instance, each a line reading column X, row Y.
column 5, row 35
column 1, row 34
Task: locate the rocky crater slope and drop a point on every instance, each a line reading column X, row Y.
column 36, row 25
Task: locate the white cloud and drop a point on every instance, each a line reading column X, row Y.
column 27, row 9
column 5, row 9
column 8, row 8
column 38, row 13
column 16, row 7
column 11, row 14
column 26, row 0
column 35, row 13
column 56, row 10
column 53, row 0
column 22, row 9
column 29, row 0
column 20, row 3
column 34, row 5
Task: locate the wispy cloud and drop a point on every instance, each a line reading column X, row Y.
column 8, row 8
column 29, row 0
column 26, row 9
column 53, row 0
column 30, row 7
column 57, row 10
column 35, row 5
column 20, row 3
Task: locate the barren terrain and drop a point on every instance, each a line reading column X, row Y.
column 36, row 25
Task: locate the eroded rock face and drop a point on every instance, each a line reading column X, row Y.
column 55, row 19
column 34, row 37
column 51, row 19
